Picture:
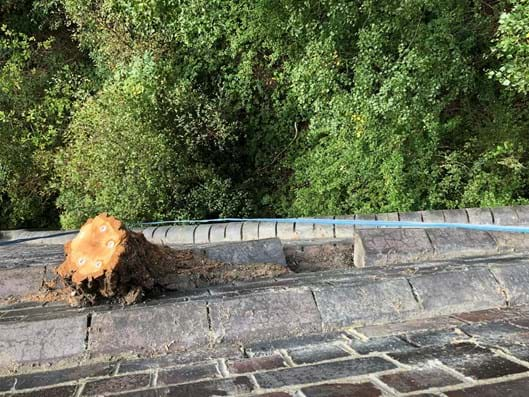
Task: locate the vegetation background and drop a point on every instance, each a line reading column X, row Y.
column 164, row 109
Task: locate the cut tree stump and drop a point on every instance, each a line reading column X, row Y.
column 105, row 261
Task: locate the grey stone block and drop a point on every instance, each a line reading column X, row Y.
column 267, row 229
column 257, row 251
column 159, row 235
column 323, row 231
column 183, row 234
column 410, row 216
column 149, row 232
column 380, row 247
column 304, row 231
column 515, row 282
column 457, row 291
column 234, row 231
column 388, row 216
column 511, row 241
column 479, row 216
column 452, row 243
column 505, row 216
column 344, row 231
column 365, row 217
column 202, row 234
column 21, row 281
column 250, row 231
column 153, row 329
column 362, row 304
column 265, row 316
column 523, row 214
column 285, row 231
column 433, row 216
column 217, row 232
column 41, row 341
column 455, row 216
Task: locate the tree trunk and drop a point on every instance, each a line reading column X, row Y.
column 105, row 261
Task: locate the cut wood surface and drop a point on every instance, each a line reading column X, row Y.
column 107, row 261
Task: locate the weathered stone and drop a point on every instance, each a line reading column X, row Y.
column 435, row 337
column 451, row 243
column 456, row 291
column 523, row 214
column 265, row 316
column 257, row 251
column 187, row 374
column 365, row 217
column 285, row 231
column 149, row 232
column 267, row 229
column 116, row 384
column 183, row 234
column 316, row 353
column 324, row 230
column 479, row 216
column 6, row 383
column 255, row 364
column 410, row 326
column 342, row 230
column 486, row 315
column 209, row 388
column 178, row 326
column 343, row 390
column 234, row 231
column 510, row 388
column 380, row 247
column 159, row 235
column 320, row 256
column 419, row 379
column 515, row 281
column 508, row 241
column 250, row 231
column 410, row 216
column 21, row 281
column 322, row 372
column 304, row 231
column 505, row 216
column 455, row 216
column 62, row 391
column 217, row 232
column 268, row 348
column 202, row 234
column 433, row 216
column 388, row 216
column 380, row 345
column 366, row 303
column 41, row 341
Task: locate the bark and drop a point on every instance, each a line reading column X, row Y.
column 105, row 261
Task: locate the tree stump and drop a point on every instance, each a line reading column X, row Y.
column 105, row 261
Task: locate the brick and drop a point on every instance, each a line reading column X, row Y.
column 410, row 216
column 258, row 251
column 48, row 378
column 6, row 383
column 159, row 234
column 314, row 354
column 505, row 216
column 21, row 281
column 178, row 326
column 342, row 230
column 234, row 231
column 182, row 234
column 267, row 229
column 486, row 315
column 385, row 300
column 480, row 216
column 217, row 232
column 510, row 388
column 433, row 216
column 343, row 390
column 322, row 372
column 269, row 347
column 409, row 326
column 116, row 384
column 187, row 374
column 419, row 379
column 220, row 387
column 285, row 231
column 250, row 231
column 455, row 216
column 380, row 247
column 492, row 330
column 274, row 314
column 451, row 243
column 63, row 391
column 515, row 280
column 202, row 234
column 41, row 341
column 523, row 214
column 467, row 358
column 434, row 337
column 380, row 345
column 453, row 292
column 255, row 364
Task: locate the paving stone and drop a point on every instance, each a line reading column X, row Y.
column 515, row 280
column 380, row 345
column 187, row 374
column 116, row 384
column 41, row 341
column 453, row 292
column 455, row 216
column 451, row 243
column 178, row 326
column 268, row 348
column 343, row 390
column 48, row 378
column 63, row 391
column 181, row 234
column 510, row 388
column 250, row 231
column 217, row 232
column 435, row 337
column 386, row 300
column 505, row 216
column 220, row 387
column 255, row 364
column 419, row 379
column 202, row 234
column 479, row 216
column 285, row 231
column 234, row 231
column 258, row 251
column 6, row 383
column 487, row 315
column 381, row 247
column 317, row 353
column 21, row 281
column 342, row 230
column 492, row 330
column 267, row 229
column 439, row 322
column 322, row 372
column 466, row 358
column 265, row 316
column 410, row 216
